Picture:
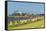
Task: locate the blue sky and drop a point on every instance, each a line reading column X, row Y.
column 25, row 8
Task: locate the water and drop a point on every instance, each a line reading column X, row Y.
column 15, row 19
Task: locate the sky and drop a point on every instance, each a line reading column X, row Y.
column 21, row 7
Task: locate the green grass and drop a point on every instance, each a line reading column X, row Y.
column 16, row 16
column 37, row 24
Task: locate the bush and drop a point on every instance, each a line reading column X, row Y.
column 18, row 22
column 38, row 19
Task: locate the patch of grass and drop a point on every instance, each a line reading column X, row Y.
column 29, row 25
column 17, row 16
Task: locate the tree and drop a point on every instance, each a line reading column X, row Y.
column 23, row 14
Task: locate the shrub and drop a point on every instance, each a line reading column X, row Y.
column 18, row 22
